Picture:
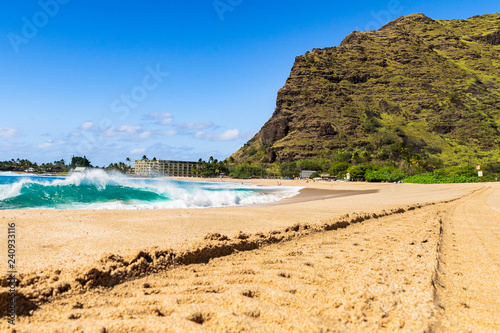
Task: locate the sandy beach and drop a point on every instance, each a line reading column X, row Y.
column 337, row 257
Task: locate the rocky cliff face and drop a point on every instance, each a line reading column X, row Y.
column 416, row 85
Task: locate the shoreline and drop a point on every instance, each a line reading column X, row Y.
column 313, row 194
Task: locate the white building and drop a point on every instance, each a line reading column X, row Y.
column 150, row 168
column 306, row 173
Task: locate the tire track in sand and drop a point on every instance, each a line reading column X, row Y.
column 371, row 276
column 467, row 279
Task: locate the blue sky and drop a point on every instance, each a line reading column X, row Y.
column 167, row 79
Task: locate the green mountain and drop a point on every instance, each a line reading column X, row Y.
column 417, row 88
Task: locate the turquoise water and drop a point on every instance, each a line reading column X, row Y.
column 97, row 189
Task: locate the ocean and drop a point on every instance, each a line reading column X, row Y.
column 98, row 189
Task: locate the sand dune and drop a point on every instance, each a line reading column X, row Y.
column 369, row 257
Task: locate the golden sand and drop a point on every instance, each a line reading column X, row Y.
column 339, row 257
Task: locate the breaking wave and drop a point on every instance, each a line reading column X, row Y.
column 97, row 189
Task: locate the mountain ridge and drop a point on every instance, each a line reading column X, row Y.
column 414, row 87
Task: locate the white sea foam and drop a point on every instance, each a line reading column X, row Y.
column 175, row 194
column 10, row 190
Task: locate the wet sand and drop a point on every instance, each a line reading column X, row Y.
column 340, row 256
column 312, row 194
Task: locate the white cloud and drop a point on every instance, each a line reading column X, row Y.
column 166, row 121
column 50, row 143
column 8, row 132
column 110, row 131
column 124, row 130
column 44, row 145
column 137, row 151
column 159, row 115
column 196, row 125
column 165, row 118
column 228, row 135
column 129, row 129
column 169, row 133
column 87, row 125
column 144, row 135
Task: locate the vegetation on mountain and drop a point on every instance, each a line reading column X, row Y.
column 416, row 96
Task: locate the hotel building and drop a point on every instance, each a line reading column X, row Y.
column 152, row 168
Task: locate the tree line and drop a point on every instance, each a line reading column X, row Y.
column 24, row 165
column 411, row 170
